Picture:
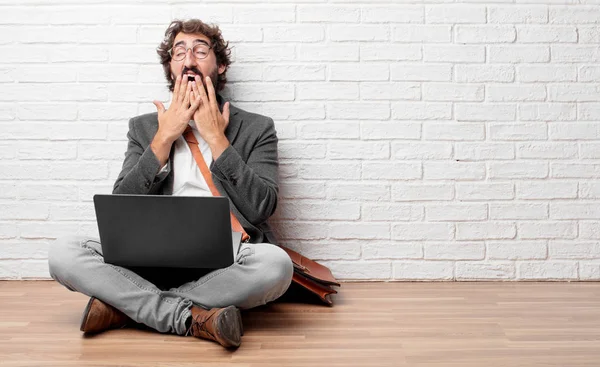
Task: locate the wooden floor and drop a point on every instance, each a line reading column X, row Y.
column 372, row 324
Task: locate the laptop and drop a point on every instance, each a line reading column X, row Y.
column 163, row 231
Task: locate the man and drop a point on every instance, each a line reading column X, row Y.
column 240, row 148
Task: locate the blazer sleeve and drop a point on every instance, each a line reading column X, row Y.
column 253, row 185
column 139, row 174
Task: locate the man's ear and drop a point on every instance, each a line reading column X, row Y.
column 222, row 69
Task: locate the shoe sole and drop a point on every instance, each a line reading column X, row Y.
column 229, row 326
column 86, row 313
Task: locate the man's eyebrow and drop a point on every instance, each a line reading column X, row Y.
column 198, row 40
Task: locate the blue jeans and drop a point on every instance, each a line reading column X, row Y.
column 261, row 273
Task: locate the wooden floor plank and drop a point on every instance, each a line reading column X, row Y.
column 372, row 324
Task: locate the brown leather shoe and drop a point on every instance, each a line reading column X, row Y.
column 99, row 316
column 223, row 325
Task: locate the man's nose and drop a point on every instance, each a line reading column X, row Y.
column 190, row 59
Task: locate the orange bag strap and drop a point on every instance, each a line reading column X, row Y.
column 193, row 143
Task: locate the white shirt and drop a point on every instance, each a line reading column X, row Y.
column 187, row 178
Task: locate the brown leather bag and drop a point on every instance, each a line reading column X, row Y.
column 308, row 274
column 312, row 276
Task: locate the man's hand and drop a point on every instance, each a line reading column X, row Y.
column 210, row 122
column 172, row 122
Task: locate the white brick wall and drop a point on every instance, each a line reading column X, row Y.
column 418, row 141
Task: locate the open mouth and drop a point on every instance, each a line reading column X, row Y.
column 190, row 76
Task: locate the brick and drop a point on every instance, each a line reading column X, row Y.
column 459, row 171
column 375, row 250
column 589, row 270
column 546, row 73
column 298, row 230
column 453, row 131
column 368, row 191
column 589, row 190
column 517, row 169
column 573, row 250
column 293, row 33
column 422, row 33
column 485, row 34
column 422, row 231
column 547, row 111
column 396, row 130
column 393, row 14
column 485, row 230
column 423, row 270
column 363, row 110
column 292, row 72
column 484, row 73
column 421, row 150
column 541, row 34
column 360, row 32
column 421, row 72
column 46, row 150
column 329, row 130
column 452, row 92
column 391, row 212
column 485, row 271
column 455, row 14
column 519, row 54
column 565, row 131
column 517, row 250
column 518, row 131
column 422, row 192
column 389, row 91
column 358, row 150
column 454, row 251
column 263, row 14
column 374, row 170
column 589, row 229
column 515, row 92
column 328, row 13
column 547, row 270
column 248, row 92
column 24, row 210
column 310, row 210
column 577, row 14
column 483, row 151
column 547, row 150
column 574, row 210
column 287, row 110
column 456, row 212
column 518, row 14
column 575, row 53
column 540, row 190
column 453, row 53
column 574, row 170
column 327, row 91
column 378, row 51
column 484, row 112
column 518, row 211
column 357, row 230
column 358, row 72
column 550, row 230
column 322, row 53
column 323, row 171
column 421, row 110
column 484, row 191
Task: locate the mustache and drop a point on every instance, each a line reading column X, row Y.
column 193, row 70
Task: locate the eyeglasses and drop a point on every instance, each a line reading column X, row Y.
column 200, row 52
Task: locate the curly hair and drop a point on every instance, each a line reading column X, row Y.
column 220, row 47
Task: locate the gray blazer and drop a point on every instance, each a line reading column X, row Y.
column 246, row 172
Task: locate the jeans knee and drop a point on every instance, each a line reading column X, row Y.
column 62, row 256
column 278, row 269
